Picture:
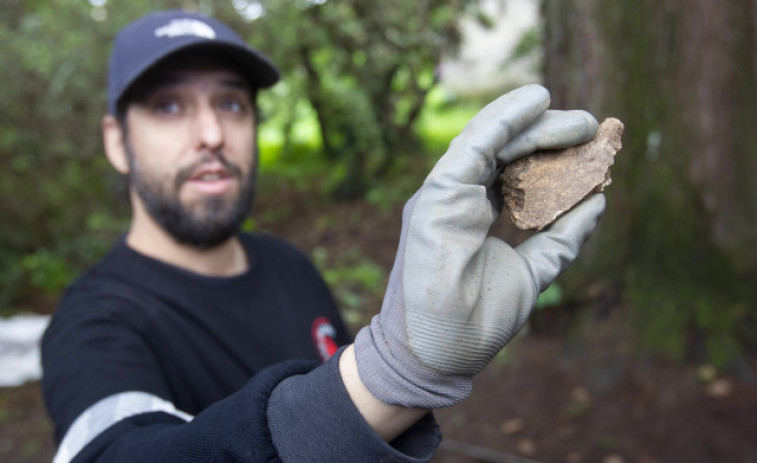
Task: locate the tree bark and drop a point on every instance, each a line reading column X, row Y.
column 697, row 83
column 682, row 209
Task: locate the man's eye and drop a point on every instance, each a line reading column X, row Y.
column 234, row 106
column 167, row 107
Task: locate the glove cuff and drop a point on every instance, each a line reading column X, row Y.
column 398, row 377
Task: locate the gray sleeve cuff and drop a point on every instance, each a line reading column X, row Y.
column 312, row 419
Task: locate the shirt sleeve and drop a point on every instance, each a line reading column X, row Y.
column 312, row 418
column 124, row 415
column 233, row 430
column 295, row 411
column 90, row 355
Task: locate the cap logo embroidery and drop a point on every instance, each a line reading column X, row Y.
column 183, row 27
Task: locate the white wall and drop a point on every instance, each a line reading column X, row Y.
column 482, row 65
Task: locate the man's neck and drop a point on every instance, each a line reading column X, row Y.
column 226, row 259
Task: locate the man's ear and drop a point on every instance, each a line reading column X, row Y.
column 115, row 145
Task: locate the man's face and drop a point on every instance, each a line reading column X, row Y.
column 191, row 143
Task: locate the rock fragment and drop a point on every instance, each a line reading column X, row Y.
column 539, row 188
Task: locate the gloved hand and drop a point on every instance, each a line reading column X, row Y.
column 455, row 296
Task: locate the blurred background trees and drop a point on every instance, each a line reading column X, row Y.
column 357, row 77
column 52, row 169
column 365, row 69
column 679, row 236
column 360, row 108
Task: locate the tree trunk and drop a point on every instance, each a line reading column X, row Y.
column 679, row 230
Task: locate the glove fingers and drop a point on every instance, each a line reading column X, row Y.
column 551, row 251
column 553, row 130
column 470, row 158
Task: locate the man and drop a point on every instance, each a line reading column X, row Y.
column 183, row 343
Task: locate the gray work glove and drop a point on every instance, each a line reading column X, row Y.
column 456, row 296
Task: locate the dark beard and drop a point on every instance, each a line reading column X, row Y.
column 222, row 218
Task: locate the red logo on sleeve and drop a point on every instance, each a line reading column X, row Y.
column 324, row 337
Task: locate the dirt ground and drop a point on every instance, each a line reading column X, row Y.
column 554, row 395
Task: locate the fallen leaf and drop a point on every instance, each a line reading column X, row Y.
column 719, row 388
column 526, row 447
column 512, row 426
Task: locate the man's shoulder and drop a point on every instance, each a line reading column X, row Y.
column 108, row 279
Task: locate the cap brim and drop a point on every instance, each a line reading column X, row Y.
column 259, row 70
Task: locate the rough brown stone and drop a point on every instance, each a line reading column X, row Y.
column 540, row 187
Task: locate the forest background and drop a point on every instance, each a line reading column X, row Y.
column 361, row 116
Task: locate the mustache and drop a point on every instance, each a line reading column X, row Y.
column 185, row 173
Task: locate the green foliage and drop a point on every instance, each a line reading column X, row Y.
column 528, row 44
column 301, row 165
column 356, row 77
column 442, row 118
column 355, row 280
column 552, row 296
column 393, row 191
column 47, row 73
column 48, row 271
column 364, row 67
column 61, row 206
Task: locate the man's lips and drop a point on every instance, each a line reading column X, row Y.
column 209, row 175
column 213, row 179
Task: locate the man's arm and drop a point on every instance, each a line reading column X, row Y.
column 388, row 421
column 293, row 412
column 314, row 417
column 137, row 421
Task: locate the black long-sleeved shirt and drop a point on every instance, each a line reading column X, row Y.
column 147, row 361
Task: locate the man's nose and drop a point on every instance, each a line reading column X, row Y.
column 208, row 128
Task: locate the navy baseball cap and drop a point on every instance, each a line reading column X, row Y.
column 154, row 37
